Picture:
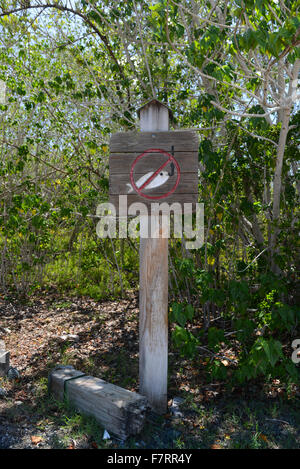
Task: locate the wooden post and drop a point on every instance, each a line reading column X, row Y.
column 153, row 340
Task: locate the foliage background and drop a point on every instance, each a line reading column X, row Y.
column 75, row 72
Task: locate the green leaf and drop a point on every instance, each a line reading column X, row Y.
column 214, row 337
column 273, row 350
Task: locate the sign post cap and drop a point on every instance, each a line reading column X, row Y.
column 154, row 103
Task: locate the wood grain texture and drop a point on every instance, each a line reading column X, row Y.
column 133, row 198
column 126, row 147
column 154, row 321
column 120, row 163
column 153, row 116
column 119, row 411
column 153, row 325
column 4, row 362
column 132, row 142
column 188, row 184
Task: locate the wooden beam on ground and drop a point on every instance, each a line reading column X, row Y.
column 4, row 362
column 119, row 411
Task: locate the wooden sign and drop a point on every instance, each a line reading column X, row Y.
column 154, row 167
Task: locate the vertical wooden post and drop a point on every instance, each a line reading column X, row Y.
column 154, row 117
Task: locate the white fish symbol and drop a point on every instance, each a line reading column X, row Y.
column 159, row 180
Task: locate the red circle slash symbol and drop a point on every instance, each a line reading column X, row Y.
column 170, row 159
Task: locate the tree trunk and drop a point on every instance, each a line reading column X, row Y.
column 277, row 182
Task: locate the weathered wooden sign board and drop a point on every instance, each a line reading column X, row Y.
column 154, row 167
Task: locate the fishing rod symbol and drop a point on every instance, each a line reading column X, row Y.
column 154, row 179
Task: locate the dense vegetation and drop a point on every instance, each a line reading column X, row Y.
column 75, row 72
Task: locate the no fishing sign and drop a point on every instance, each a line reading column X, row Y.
column 154, row 167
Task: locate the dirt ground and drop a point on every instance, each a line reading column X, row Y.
column 107, row 347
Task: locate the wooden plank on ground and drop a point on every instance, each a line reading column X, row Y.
column 4, row 362
column 119, row 411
